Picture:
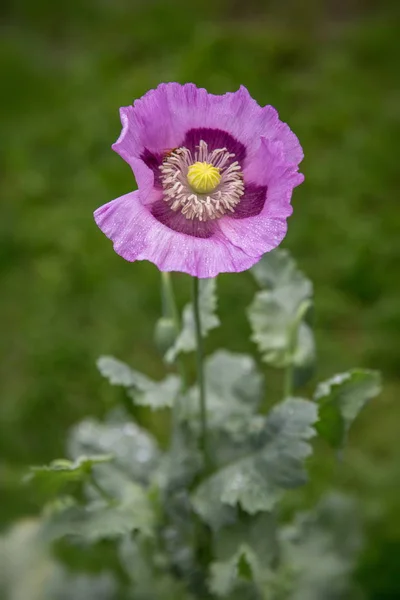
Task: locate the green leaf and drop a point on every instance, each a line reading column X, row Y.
column 304, row 354
column 227, row 576
column 160, row 394
column 119, row 373
column 135, row 557
column 320, row 549
column 180, row 535
column 143, row 390
column 28, row 571
column 186, row 340
column 258, row 532
column 104, row 520
column 257, row 481
column 234, row 390
column 234, row 377
column 52, row 478
column 135, row 452
column 340, row 400
column 245, row 551
column 277, row 312
column 181, row 463
column 145, row 563
column 207, row 503
column 272, row 325
column 65, row 586
column 277, row 271
column 22, row 556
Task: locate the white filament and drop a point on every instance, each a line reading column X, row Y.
column 179, row 194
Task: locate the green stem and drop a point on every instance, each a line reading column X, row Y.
column 289, row 372
column 170, row 309
column 200, row 372
column 288, row 380
column 292, row 344
column 169, row 303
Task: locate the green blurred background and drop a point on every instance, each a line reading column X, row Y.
column 332, row 70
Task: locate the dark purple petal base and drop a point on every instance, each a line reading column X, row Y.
column 251, row 203
column 178, row 222
column 215, row 138
column 153, row 161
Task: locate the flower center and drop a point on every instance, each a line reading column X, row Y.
column 204, row 186
column 203, row 177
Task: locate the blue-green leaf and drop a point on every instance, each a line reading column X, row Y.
column 119, row 373
column 277, row 271
column 103, row 519
column 257, row 481
column 226, row 576
column 146, row 564
column 28, row 571
column 234, row 390
column 258, row 532
column 135, row 452
column 340, row 400
column 23, row 555
column 65, row 586
column 319, row 550
column 272, row 325
column 143, row 390
column 277, row 312
column 52, row 478
column 181, row 463
column 245, row 552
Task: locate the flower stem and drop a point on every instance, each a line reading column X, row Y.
column 169, row 302
column 288, row 380
column 200, row 372
column 289, row 371
column 170, row 308
column 292, row 344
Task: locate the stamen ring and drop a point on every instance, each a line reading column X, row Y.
column 204, row 186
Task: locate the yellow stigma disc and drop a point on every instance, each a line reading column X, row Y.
column 203, row 178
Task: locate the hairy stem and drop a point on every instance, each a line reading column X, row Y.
column 200, row 372
column 170, row 309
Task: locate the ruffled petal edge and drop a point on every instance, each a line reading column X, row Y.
column 137, row 235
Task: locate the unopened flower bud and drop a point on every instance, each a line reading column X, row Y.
column 164, row 334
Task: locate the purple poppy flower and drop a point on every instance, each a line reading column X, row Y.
column 215, row 176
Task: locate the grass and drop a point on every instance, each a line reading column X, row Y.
column 332, row 72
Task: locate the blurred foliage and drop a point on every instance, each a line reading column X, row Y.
column 188, row 524
column 331, row 69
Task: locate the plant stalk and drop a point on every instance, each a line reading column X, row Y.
column 170, row 309
column 288, row 380
column 200, row 373
column 292, row 344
